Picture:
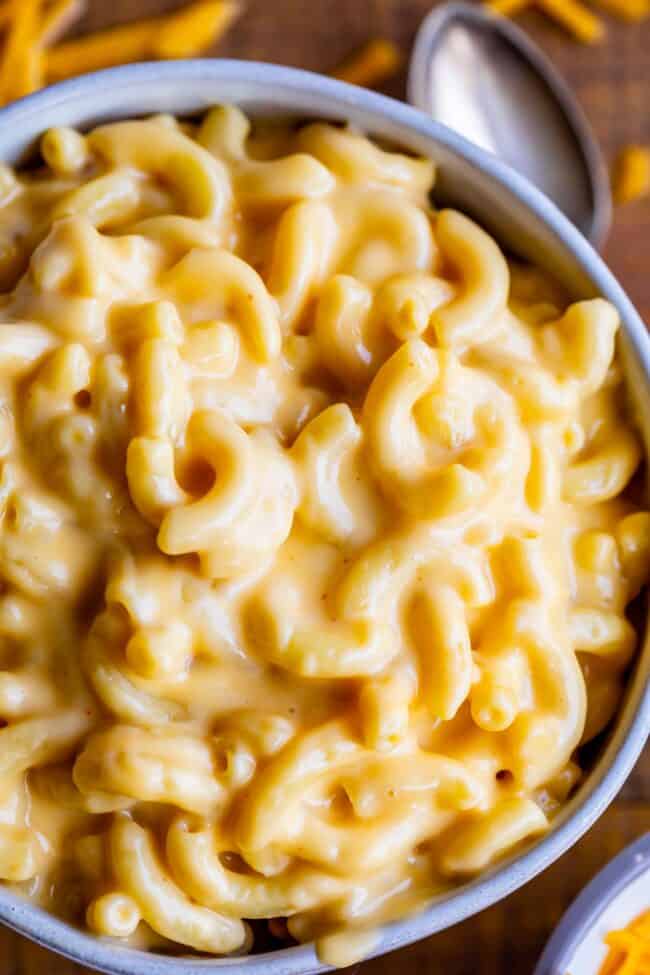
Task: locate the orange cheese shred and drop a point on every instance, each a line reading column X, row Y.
column 372, row 64
column 507, row 8
column 632, row 10
column 5, row 13
column 573, row 15
column 576, row 18
column 631, row 174
column 629, row 949
column 184, row 33
column 117, row 45
column 20, row 68
column 58, row 18
column 194, row 28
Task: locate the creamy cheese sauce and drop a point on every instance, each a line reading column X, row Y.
column 316, row 536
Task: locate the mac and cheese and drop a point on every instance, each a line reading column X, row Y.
column 316, row 538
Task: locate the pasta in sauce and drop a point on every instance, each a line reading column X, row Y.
column 315, row 543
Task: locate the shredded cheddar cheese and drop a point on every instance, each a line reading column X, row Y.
column 632, row 10
column 629, row 949
column 631, row 174
column 30, row 55
column 181, row 34
column 377, row 60
column 20, row 70
column 507, row 8
column 5, row 13
column 117, row 45
column 574, row 15
column 193, row 29
column 58, row 18
column 576, row 18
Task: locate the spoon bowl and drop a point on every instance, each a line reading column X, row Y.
column 479, row 74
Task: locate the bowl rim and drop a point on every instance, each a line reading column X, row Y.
column 633, row 723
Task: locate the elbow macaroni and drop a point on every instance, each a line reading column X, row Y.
column 316, row 540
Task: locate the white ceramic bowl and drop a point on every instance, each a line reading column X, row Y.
column 522, row 220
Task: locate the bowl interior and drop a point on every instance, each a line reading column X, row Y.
column 525, row 223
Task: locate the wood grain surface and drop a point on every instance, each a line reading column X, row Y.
column 612, row 81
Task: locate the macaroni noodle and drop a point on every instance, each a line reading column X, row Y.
column 318, row 529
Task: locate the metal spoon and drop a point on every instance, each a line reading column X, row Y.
column 480, row 75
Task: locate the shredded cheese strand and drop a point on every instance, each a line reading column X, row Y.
column 576, row 18
column 117, row 45
column 633, row 10
column 58, row 18
column 372, row 64
column 507, row 8
column 20, row 70
column 584, row 25
column 631, row 174
column 194, row 28
column 180, row 34
column 629, row 952
column 5, row 13
column 574, row 15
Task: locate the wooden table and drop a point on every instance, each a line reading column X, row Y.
column 613, row 83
